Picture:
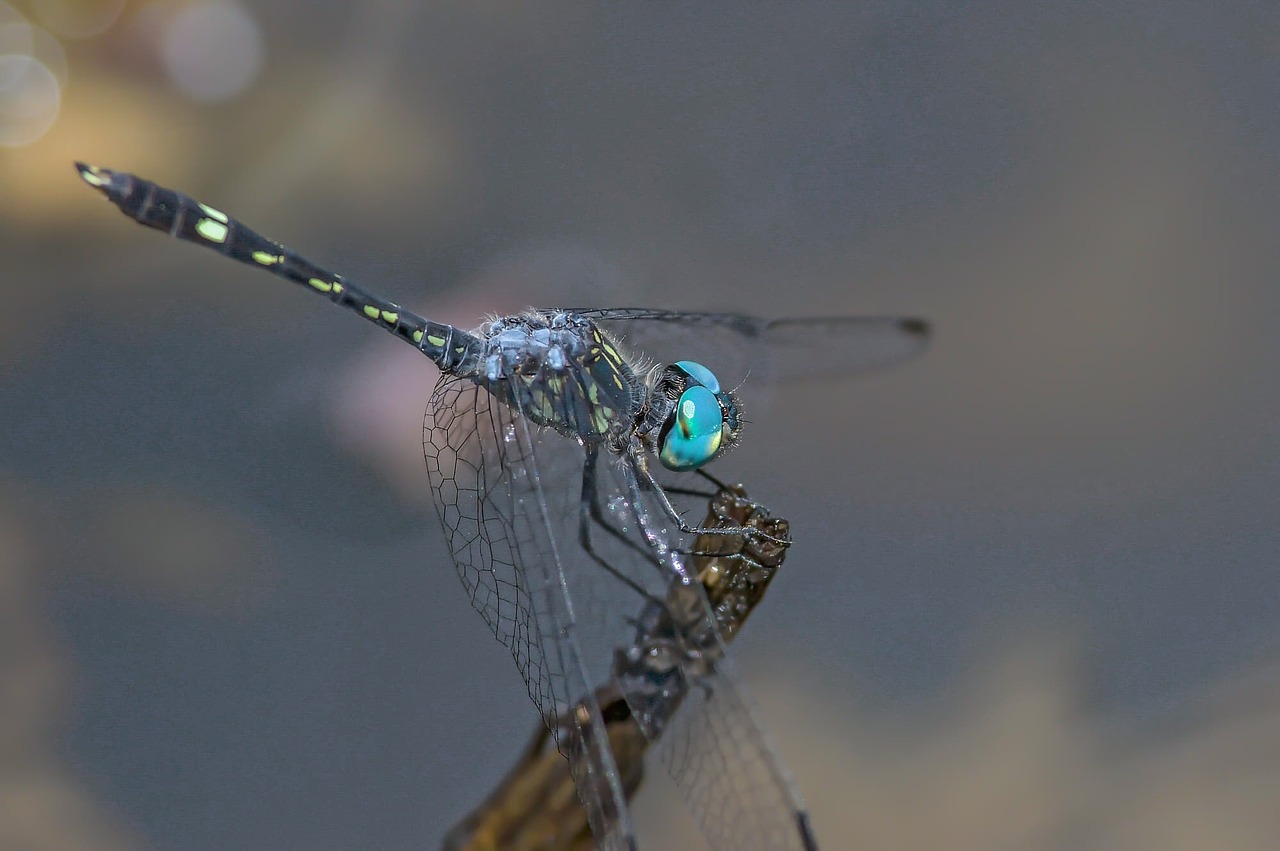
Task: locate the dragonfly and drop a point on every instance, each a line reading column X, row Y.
column 560, row 458
column 535, row 808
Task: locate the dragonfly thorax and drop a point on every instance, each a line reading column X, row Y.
column 560, row 371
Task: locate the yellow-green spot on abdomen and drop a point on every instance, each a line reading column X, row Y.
column 212, row 230
column 92, row 175
column 321, row 284
column 266, row 258
column 214, row 214
column 390, row 317
column 436, row 341
column 337, row 287
column 371, row 311
column 417, row 336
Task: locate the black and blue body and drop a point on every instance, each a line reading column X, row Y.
column 540, row 441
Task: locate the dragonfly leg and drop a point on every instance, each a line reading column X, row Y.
column 695, row 492
column 738, row 490
column 671, row 512
column 590, row 511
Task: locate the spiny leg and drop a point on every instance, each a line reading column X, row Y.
column 657, row 542
column 639, row 470
column 589, row 511
column 740, row 494
column 720, row 486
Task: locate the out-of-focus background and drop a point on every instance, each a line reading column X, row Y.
column 1034, row 600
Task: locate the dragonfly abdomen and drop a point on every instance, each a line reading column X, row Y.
column 187, row 219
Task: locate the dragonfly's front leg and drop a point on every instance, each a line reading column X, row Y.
column 701, row 494
column 659, row 541
column 589, row 511
column 670, row 510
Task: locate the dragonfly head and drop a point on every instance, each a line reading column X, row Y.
column 703, row 420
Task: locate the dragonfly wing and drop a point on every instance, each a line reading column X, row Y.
column 735, row 346
column 724, row 765
column 719, row 756
column 512, row 497
column 492, row 474
column 841, row 345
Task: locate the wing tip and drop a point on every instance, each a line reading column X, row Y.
column 807, row 838
column 916, row 327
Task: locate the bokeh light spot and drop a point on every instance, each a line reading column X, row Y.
column 29, row 99
column 15, row 38
column 49, row 51
column 212, row 50
column 18, row 38
column 77, row 18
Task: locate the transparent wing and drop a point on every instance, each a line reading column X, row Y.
column 491, row 474
column 734, row 345
column 563, row 593
column 720, row 758
column 724, row 765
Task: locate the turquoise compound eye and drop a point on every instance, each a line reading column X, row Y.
column 693, row 437
column 700, row 374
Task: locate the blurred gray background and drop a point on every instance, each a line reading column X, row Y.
column 1034, row 599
